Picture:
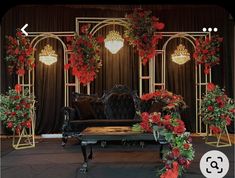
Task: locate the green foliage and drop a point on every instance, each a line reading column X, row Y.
column 15, row 109
column 217, row 108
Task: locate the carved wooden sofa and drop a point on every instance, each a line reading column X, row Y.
column 117, row 107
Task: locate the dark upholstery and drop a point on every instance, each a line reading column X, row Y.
column 117, row 107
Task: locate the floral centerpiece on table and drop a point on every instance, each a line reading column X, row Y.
column 140, row 33
column 218, row 110
column 19, row 53
column 207, row 51
column 15, row 109
column 85, row 56
column 179, row 154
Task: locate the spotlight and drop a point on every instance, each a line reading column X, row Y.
column 204, row 29
column 215, row 29
column 209, row 29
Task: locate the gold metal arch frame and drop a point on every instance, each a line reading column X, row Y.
column 201, row 79
column 26, row 139
column 98, row 23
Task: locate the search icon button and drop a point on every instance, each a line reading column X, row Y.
column 214, row 164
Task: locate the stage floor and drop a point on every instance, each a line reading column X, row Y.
column 49, row 160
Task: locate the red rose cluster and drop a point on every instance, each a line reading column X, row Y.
column 169, row 122
column 171, row 100
column 208, row 51
column 19, row 54
column 85, row 58
column 140, row 33
column 217, row 109
column 181, row 152
column 16, row 109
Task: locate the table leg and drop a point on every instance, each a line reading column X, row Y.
column 161, row 148
column 84, row 167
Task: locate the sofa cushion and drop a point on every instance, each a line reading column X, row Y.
column 98, row 108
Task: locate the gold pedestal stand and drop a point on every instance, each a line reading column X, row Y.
column 26, row 138
column 219, row 142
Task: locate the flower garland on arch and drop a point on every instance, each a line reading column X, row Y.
column 207, row 51
column 85, row 58
column 140, row 33
column 19, row 53
column 177, row 158
column 218, row 110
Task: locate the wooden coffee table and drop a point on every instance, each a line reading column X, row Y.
column 92, row 135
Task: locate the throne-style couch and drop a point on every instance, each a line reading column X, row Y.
column 117, row 107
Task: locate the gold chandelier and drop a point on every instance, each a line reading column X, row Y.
column 47, row 55
column 113, row 42
column 180, row 55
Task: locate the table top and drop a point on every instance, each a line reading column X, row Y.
column 114, row 133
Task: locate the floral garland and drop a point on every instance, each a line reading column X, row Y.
column 178, row 156
column 15, row 109
column 140, row 33
column 218, row 110
column 19, row 54
column 85, row 58
column 207, row 51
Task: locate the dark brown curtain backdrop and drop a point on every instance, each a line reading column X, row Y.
column 121, row 68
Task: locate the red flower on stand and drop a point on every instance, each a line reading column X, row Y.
column 19, row 54
column 16, row 109
column 217, row 109
column 140, row 33
column 207, row 52
column 85, row 58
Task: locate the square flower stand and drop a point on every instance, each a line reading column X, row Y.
column 219, row 142
column 25, row 139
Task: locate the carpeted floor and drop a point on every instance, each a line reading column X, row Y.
column 49, row 160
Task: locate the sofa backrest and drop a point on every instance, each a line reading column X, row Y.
column 120, row 103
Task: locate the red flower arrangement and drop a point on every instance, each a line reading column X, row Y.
column 140, row 33
column 15, row 109
column 19, row 53
column 207, row 51
column 218, row 110
column 85, row 58
column 180, row 151
column 178, row 156
column 172, row 101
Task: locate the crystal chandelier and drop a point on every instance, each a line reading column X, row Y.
column 113, row 42
column 180, row 55
column 47, row 55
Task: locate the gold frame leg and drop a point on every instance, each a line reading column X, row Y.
column 25, row 139
column 219, row 143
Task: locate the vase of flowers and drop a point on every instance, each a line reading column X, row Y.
column 85, row 55
column 218, row 110
column 140, row 33
column 15, row 110
column 207, row 51
column 19, row 53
